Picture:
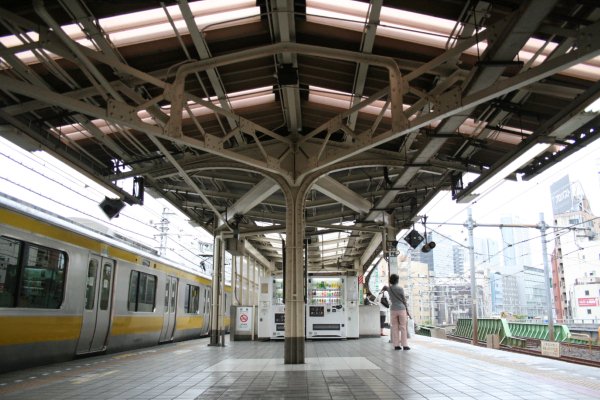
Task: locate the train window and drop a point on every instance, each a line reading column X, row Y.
column 207, row 300
column 192, row 299
column 167, row 295
column 43, row 280
column 132, row 298
column 173, row 293
column 31, row 276
column 142, row 292
column 105, row 289
column 90, row 286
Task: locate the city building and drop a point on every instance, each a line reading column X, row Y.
column 458, row 257
column 532, row 292
column 487, row 254
column 517, row 249
column 417, row 283
column 576, row 253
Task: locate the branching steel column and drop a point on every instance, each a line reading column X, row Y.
column 294, row 276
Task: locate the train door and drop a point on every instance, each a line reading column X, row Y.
column 169, row 312
column 97, row 307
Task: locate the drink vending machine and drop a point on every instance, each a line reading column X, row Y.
column 271, row 310
column 332, row 306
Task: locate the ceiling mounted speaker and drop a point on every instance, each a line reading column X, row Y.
column 287, row 74
column 111, row 207
column 413, row 238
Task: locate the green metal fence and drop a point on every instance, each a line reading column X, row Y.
column 513, row 334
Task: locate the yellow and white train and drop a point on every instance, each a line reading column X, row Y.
column 68, row 291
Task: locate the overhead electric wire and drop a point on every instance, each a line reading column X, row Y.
column 74, row 180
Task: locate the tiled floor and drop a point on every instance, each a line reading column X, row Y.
column 335, row 369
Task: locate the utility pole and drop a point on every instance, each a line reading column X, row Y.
column 470, row 225
column 163, row 228
column 547, row 281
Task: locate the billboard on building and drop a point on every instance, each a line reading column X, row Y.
column 562, row 200
column 588, row 302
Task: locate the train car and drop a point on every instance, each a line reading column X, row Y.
column 67, row 290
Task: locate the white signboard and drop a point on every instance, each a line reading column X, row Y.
column 551, row 349
column 244, row 319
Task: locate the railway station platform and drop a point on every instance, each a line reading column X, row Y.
column 366, row 368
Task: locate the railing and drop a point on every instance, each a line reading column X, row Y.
column 565, row 321
column 515, row 334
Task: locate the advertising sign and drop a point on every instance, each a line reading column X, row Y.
column 588, row 302
column 244, row 319
column 562, row 201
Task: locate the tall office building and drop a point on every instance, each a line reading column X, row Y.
column 516, row 245
column 487, row 254
column 574, row 249
column 458, row 256
column 534, row 290
column 441, row 259
column 497, row 292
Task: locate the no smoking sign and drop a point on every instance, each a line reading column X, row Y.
column 244, row 320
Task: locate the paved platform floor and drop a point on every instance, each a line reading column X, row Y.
column 363, row 369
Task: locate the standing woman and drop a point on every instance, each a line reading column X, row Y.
column 398, row 314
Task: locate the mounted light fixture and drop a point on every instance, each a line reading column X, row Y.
column 503, row 168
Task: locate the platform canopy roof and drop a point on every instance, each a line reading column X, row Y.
column 380, row 105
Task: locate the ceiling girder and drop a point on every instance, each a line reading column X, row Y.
column 253, row 197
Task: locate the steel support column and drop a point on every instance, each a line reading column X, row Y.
column 217, row 334
column 294, row 276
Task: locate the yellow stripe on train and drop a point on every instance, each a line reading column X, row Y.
column 190, row 322
column 128, row 324
column 20, row 330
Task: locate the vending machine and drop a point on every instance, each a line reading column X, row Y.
column 326, row 307
column 271, row 310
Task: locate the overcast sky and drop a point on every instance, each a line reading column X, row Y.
column 40, row 179
column 524, row 200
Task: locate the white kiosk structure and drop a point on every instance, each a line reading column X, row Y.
column 271, row 310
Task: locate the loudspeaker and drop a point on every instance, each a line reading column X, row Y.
column 287, row 74
column 427, row 247
column 111, row 207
